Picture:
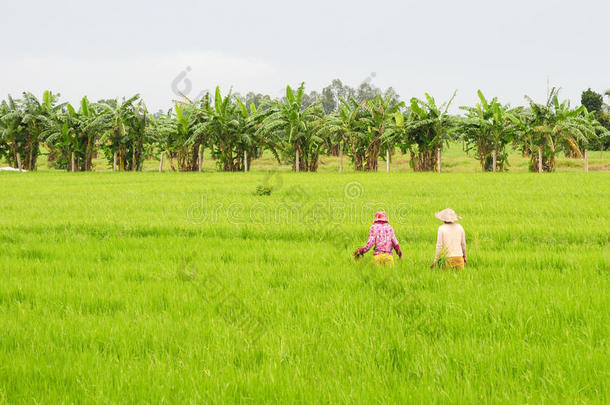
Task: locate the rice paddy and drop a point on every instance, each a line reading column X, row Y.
column 191, row 288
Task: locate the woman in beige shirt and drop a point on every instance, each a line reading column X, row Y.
column 451, row 240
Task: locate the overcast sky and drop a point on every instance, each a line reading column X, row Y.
column 107, row 48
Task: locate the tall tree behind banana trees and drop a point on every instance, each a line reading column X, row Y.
column 604, row 119
column 549, row 128
column 602, row 133
column 37, row 116
column 488, row 128
column 428, row 129
column 290, row 126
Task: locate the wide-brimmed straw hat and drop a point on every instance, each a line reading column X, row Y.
column 380, row 217
column 447, row 215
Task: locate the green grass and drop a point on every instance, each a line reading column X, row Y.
column 120, row 288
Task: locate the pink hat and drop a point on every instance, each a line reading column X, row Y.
column 380, row 217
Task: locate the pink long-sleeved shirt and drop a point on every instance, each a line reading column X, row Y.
column 382, row 236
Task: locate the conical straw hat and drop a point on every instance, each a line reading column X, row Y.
column 447, row 215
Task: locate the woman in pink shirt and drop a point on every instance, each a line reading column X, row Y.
column 381, row 235
column 451, row 240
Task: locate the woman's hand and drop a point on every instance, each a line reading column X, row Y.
column 357, row 253
column 464, row 259
column 398, row 251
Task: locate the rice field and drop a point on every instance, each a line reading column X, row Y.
column 191, row 288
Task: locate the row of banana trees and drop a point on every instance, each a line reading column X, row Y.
column 293, row 129
column 539, row 131
column 71, row 136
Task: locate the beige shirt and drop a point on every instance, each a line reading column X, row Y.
column 453, row 238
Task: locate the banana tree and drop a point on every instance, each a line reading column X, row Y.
column 93, row 123
column 342, row 129
column 12, row 132
column 428, row 129
column 379, row 129
column 488, row 128
column 548, row 128
column 163, row 130
column 292, row 128
column 175, row 131
column 72, row 138
column 225, row 127
column 126, row 136
column 140, row 139
column 61, row 139
column 37, row 116
column 249, row 143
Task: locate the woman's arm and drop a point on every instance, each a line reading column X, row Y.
column 396, row 246
column 398, row 251
column 463, row 242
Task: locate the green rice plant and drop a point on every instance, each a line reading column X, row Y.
column 118, row 296
column 442, row 259
column 262, row 189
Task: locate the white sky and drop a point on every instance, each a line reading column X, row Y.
column 108, row 48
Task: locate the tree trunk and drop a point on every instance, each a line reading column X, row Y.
column 32, row 150
column 171, row 162
column 372, row 157
column 245, row 160
column 161, row 161
column 200, row 158
column 438, row 158
column 114, row 161
column 340, row 156
column 51, row 157
column 387, row 161
column 73, row 162
column 229, row 164
column 18, row 160
column 88, row 164
column 586, row 161
column 495, row 160
column 296, row 161
column 539, row 159
column 133, row 159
